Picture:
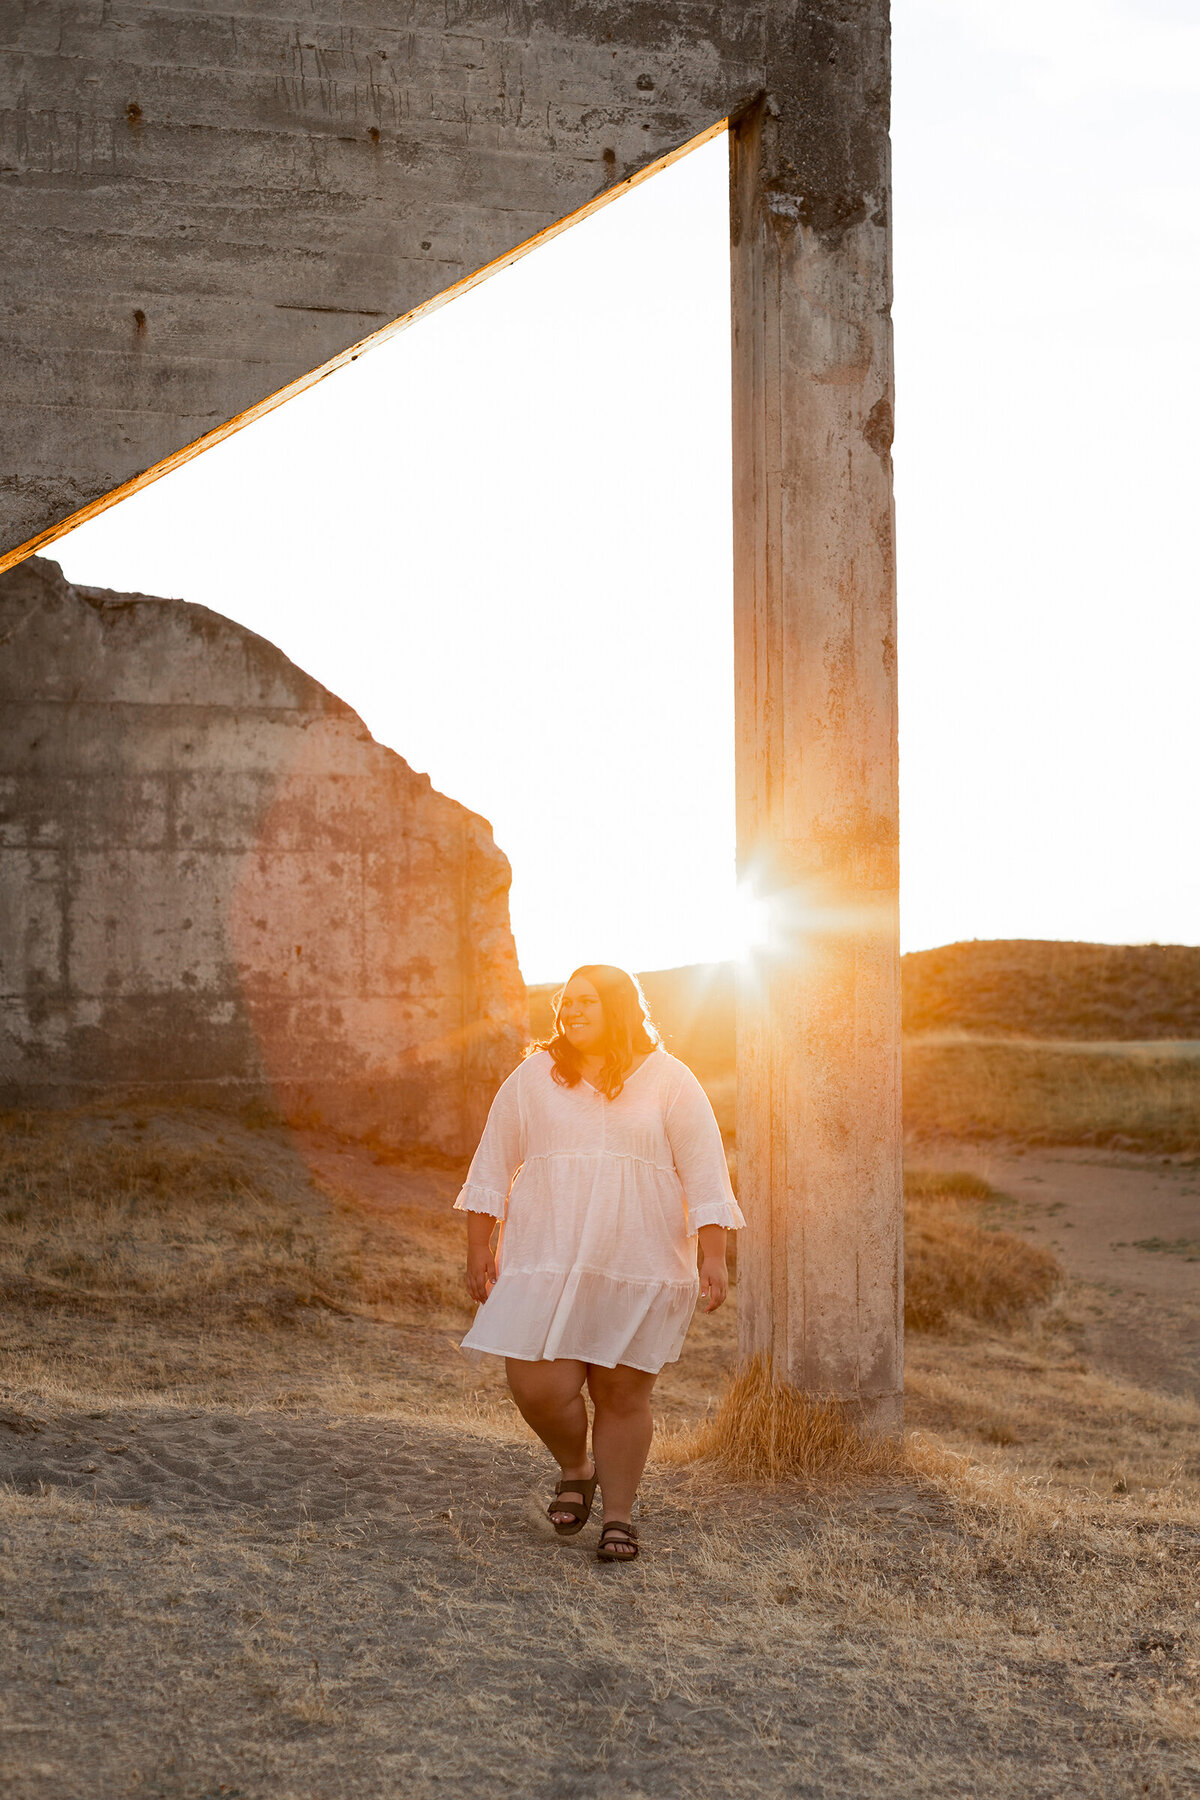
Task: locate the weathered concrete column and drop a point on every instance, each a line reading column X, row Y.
column 818, row 1012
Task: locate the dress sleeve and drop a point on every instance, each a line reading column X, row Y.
column 699, row 1157
column 498, row 1157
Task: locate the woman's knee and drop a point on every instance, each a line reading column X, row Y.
column 623, row 1393
column 544, row 1388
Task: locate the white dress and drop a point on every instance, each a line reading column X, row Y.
column 601, row 1200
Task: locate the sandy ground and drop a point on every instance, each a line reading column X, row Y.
column 289, row 1609
column 287, row 1602
column 1127, row 1228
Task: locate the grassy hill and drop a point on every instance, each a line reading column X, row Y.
column 1026, row 987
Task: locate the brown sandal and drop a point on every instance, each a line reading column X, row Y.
column 628, row 1535
column 580, row 1510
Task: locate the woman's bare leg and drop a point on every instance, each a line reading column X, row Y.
column 621, row 1434
column 549, row 1397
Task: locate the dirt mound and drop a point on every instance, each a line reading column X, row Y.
column 955, row 1268
column 182, row 1214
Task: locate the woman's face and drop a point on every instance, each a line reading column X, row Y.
column 581, row 1015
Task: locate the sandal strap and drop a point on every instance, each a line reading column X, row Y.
column 576, row 1485
column 577, row 1509
column 628, row 1532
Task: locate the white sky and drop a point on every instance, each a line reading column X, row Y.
column 505, row 537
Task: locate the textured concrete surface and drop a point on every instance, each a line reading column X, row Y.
column 214, row 881
column 202, row 205
column 203, row 208
column 819, row 1132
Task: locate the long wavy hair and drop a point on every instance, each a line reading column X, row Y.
column 629, row 1030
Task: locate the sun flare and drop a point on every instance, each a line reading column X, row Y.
column 752, row 922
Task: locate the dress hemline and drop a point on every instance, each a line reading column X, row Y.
column 589, row 1361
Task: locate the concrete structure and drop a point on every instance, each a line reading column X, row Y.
column 214, row 883
column 204, row 211
column 819, row 1127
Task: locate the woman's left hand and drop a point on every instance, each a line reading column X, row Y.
column 714, row 1282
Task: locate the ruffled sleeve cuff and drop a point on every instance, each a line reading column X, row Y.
column 474, row 1198
column 715, row 1212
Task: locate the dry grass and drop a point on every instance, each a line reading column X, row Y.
column 290, row 1547
column 1029, row 1404
column 765, row 1431
column 956, row 1268
column 923, row 1186
column 1139, row 1098
column 1036, row 1093
column 1024, row 988
column 172, row 1252
column 957, row 1271
column 139, row 1224
column 840, row 1649
column 1048, row 989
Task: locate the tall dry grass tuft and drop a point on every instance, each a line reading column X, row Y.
column 954, row 1267
column 764, row 1430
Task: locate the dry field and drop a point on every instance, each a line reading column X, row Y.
column 267, row 1534
column 1142, row 1097
column 1123, row 1096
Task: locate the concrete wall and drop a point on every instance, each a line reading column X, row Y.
column 213, row 881
column 201, row 208
column 201, row 205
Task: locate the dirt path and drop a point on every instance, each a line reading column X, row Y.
column 265, row 1608
column 370, row 1178
column 269, row 1598
column 1127, row 1226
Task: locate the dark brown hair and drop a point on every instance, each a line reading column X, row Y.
column 629, row 1030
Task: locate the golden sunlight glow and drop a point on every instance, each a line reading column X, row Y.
column 751, row 921
column 769, row 928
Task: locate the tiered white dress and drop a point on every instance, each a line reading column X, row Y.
column 601, row 1200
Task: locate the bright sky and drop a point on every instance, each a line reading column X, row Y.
column 504, row 537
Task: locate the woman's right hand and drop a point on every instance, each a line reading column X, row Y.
column 481, row 1272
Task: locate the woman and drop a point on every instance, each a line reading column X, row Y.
column 603, row 1159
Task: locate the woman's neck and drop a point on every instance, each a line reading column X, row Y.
column 593, row 1061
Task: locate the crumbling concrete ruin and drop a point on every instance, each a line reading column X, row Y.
column 205, row 209
column 215, row 883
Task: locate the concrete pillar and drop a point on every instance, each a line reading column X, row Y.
column 818, row 1012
